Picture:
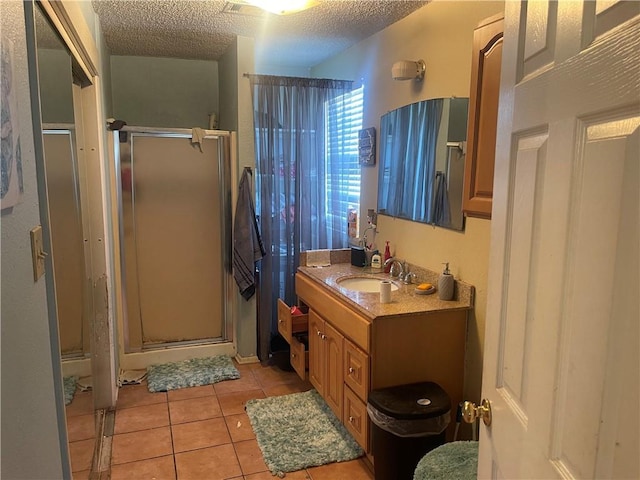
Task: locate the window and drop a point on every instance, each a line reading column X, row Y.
column 344, row 120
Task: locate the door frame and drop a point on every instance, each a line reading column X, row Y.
column 70, row 24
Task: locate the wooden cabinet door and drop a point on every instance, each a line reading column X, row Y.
column 284, row 320
column 333, row 388
column 298, row 358
column 356, row 370
column 483, row 118
column 356, row 419
column 316, row 352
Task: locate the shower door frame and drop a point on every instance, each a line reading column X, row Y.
column 225, row 149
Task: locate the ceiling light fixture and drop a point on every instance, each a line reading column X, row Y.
column 408, row 70
column 283, row 7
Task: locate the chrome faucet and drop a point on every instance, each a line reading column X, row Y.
column 392, row 272
column 407, row 275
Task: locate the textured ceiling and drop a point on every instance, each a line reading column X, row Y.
column 199, row 29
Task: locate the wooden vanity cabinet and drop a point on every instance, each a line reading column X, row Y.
column 356, row 370
column 356, row 418
column 299, row 357
column 336, row 366
column 350, row 355
column 483, row 117
column 316, row 350
column 326, row 362
column 290, row 325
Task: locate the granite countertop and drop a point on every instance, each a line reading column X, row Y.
column 404, row 301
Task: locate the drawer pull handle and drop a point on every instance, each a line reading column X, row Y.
column 351, row 370
column 293, row 355
column 280, row 320
column 351, row 419
column 323, row 336
column 318, row 333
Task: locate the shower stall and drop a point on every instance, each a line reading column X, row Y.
column 174, row 201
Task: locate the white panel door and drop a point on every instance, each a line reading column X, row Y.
column 561, row 365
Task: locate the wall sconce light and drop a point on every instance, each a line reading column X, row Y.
column 408, row 70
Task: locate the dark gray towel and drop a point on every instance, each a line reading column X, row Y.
column 441, row 214
column 247, row 244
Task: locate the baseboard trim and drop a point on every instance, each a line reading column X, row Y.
column 246, row 360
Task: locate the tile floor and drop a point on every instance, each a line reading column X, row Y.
column 199, row 433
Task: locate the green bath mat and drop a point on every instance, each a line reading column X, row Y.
column 190, row 373
column 298, row 431
column 457, row 460
column 69, row 384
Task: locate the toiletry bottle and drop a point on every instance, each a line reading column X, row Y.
column 352, row 222
column 445, row 284
column 376, row 262
column 387, row 256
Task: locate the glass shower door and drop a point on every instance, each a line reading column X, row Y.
column 173, row 198
column 66, row 239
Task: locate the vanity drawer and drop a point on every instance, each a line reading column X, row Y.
column 355, row 418
column 289, row 324
column 299, row 356
column 350, row 323
column 356, row 366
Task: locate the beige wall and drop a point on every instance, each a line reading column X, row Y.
column 33, row 431
column 440, row 33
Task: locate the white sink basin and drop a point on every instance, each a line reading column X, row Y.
column 362, row 284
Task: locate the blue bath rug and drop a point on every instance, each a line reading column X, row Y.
column 298, row 431
column 69, row 388
column 190, row 373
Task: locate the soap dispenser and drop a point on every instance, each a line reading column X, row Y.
column 445, row 284
column 387, row 256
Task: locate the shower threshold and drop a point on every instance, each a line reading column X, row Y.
column 184, row 343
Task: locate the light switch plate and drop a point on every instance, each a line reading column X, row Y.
column 37, row 252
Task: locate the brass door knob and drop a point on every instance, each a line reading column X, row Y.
column 470, row 412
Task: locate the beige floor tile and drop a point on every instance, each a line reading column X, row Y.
column 353, row 470
column 143, row 417
column 81, row 427
column 202, row 434
column 137, row 395
column 81, row 454
column 233, row 403
column 287, row 388
column 250, row 457
column 270, row 376
column 83, row 475
column 239, row 427
column 82, row 404
column 194, row 409
column 130, row 447
column 191, row 392
column 246, row 367
column 214, row 463
column 299, row 475
column 245, row 382
column 160, row 468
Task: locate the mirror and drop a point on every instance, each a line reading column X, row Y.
column 55, row 82
column 421, row 170
column 62, row 176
